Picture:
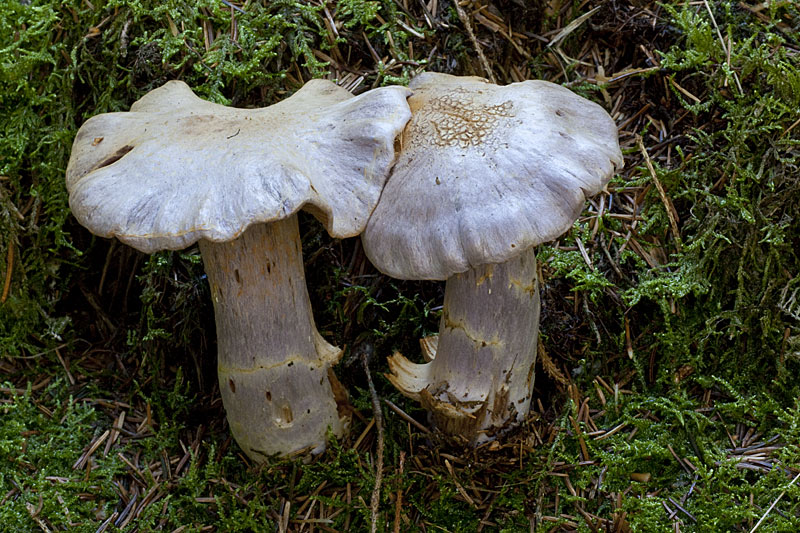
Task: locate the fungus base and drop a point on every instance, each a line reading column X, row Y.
column 273, row 365
column 480, row 380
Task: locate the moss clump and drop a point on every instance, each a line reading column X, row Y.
column 720, row 290
column 40, row 445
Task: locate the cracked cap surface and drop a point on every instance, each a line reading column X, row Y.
column 177, row 168
column 486, row 172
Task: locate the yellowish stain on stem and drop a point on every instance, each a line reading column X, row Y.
column 475, row 337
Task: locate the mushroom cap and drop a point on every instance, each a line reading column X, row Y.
column 486, row 172
column 177, row 168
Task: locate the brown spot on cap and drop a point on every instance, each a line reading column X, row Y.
column 457, row 119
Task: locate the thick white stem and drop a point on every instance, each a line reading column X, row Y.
column 480, row 380
column 273, row 365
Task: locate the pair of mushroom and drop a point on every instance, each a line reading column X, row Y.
column 483, row 174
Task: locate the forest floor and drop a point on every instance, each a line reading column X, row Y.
column 666, row 396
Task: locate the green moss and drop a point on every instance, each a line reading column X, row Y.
column 39, row 443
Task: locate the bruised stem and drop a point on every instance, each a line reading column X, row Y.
column 273, row 365
column 480, row 380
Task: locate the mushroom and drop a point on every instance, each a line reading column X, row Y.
column 485, row 173
column 177, row 170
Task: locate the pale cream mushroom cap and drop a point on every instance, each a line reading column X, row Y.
column 485, row 172
column 177, row 168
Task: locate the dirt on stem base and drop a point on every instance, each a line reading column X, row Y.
column 480, row 380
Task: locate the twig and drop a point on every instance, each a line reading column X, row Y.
column 237, row 8
column 85, row 457
column 581, row 441
column 790, row 128
column 726, row 49
column 124, row 39
column 773, row 504
column 673, row 222
column 66, row 367
column 398, row 501
column 34, row 512
column 468, row 26
column 572, row 26
column 283, row 525
column 405, row 416
column 378, row 415
column 684, row 511
column 459, row 488
column 9, row 269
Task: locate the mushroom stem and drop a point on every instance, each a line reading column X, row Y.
column 273, row 365
column 480, row 380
